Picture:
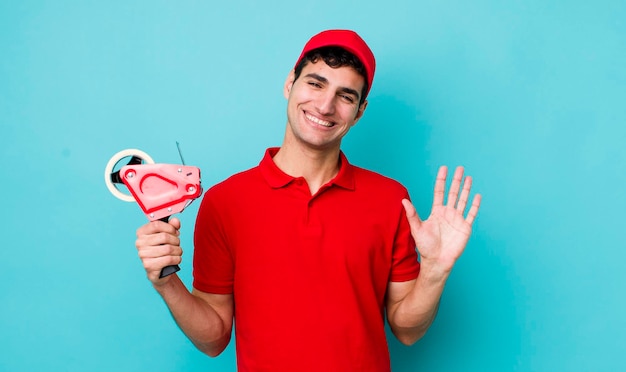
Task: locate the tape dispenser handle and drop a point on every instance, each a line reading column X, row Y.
column 168, row 270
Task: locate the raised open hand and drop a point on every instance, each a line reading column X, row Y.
column 442, row 238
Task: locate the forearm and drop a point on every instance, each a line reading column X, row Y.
column 411, row 316
column 202, row 323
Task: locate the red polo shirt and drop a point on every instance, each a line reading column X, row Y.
column 308, row 272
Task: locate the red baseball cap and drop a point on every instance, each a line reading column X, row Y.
column 348, row 40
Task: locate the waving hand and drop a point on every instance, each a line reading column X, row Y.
column 442, row 237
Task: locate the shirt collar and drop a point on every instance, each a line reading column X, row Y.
column 276, row 178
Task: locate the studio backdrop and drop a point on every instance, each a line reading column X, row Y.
column 529, row 96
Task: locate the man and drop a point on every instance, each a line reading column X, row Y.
column 306, row 252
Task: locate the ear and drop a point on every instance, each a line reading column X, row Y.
column 289, row 83
column 360, row 111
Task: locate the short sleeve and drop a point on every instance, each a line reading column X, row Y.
column 213, row 264
column 405, row 265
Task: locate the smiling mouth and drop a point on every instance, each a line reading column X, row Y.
column 321, row 122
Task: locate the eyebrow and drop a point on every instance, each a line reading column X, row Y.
column 322, row 79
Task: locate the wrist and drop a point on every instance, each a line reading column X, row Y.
column 433, row 273
column 163, row 285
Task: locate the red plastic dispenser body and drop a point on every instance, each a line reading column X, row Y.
column 162, row 189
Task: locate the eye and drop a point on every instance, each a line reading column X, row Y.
column 314, row 84
column 347, row 98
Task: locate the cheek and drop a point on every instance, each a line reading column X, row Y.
column 353, row 115
column 359, row 112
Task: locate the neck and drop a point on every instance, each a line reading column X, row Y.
column 317, row 167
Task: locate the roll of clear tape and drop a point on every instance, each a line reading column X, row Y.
column 111, row 165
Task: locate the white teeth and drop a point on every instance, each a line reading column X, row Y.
column 319, row 121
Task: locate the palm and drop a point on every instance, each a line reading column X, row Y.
column 442, row 237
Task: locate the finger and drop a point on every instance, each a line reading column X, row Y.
column 148, row 252
column 440, row 185
column 411, row 215
column 158, row 239
column 157, row 227
column 153, row 266
column 471, row 215
column 454, row 187
column 467, row 185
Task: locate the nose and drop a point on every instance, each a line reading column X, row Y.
column 325, row 103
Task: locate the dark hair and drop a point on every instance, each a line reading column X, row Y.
column 334, row 57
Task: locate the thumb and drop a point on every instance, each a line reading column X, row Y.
column 174, row 222
column 411, row 214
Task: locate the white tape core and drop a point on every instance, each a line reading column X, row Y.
column 111, row 165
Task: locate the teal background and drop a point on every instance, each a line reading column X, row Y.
column 529, row 95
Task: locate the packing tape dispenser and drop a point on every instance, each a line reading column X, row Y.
column 161, row 190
